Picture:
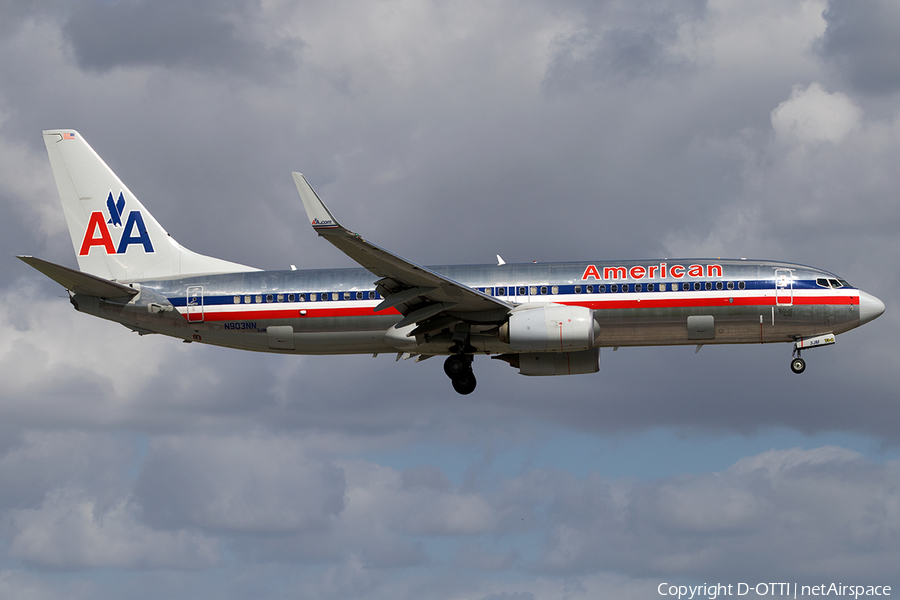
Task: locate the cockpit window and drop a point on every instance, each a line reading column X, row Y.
column 832, row 283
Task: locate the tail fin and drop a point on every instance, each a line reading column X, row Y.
column 114, row 236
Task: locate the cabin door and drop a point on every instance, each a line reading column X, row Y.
column 195, row 304
column 784, row 287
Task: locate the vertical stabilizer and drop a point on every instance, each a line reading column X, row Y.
column 113, row 235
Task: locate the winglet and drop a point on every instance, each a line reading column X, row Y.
column 316, row 211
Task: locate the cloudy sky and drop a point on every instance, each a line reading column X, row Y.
column 450, row 132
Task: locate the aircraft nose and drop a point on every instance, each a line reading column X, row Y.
column 870, row 307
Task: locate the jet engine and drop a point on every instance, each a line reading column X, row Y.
column 553, row 328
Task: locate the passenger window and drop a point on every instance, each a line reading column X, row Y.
column 590, row 289
column 280, row 297
column 708, row 285
column 614, row 287
column 624, row 287
column 259, row 299
column 730, row 285
column 543, row 289
column 577, row 289
column 533, row 290
column 651, row 287
column 685, row 286
column 554, row 290
column 268, row 297
column 741, row 285
column 501, row 291
column 719, row 285
column 247, row 299
column 291, row 297
column 638, row 287
column 371, row 295
column 237, row 299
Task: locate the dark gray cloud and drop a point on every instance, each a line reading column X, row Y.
column 863, row 40
column 168, row 33
column 623, row 41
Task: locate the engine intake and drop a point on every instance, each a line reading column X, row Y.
column 554, row 328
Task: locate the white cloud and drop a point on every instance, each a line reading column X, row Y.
column 780, row 512
column 70, row 530
column 812, row 115
column 376, row 497
column 87, row 354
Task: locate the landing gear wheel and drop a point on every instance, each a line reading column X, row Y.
column 464, row 384
column 798, row 365
column 455, row 366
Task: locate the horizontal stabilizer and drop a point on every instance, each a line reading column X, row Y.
column 78, row 282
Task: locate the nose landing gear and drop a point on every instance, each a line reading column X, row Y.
column 458, row 368
column 798, row 365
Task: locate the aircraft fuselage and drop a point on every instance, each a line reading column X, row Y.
column 331, row 311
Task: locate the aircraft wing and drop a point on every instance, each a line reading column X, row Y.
column 421, row 295
column 78, row 282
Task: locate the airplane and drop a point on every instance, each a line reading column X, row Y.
column 543, row 319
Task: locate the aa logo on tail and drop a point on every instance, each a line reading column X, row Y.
column 97, row 232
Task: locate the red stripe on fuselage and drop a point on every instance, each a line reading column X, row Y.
column 610, row 302
column 713, row 302
column 292, row 313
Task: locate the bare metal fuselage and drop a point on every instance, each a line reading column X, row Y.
column 331, row 311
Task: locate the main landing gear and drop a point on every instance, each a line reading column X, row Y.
column 458, row 368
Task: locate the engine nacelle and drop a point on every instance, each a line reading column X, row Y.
column 555, row 363
column 554, row 328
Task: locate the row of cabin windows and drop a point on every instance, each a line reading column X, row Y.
column 615, row 287
column 522, row 291
column 310, row 297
